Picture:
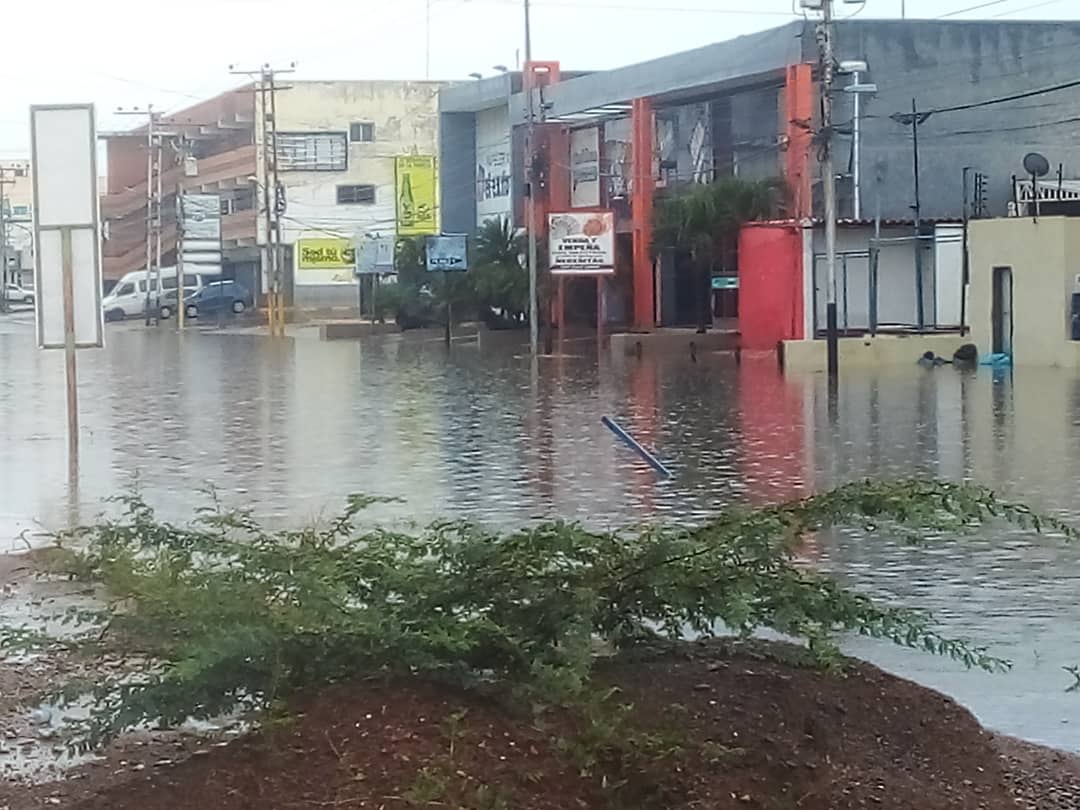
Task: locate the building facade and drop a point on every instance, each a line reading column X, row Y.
column 337, row 143
column 17, row 214
column 749, row 108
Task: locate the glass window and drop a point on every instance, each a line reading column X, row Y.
column 356, row 195
column 190, row 281
column 125, row 289
column 21, row 210
column 312, row 151
column 168, row 283
column 361, row 132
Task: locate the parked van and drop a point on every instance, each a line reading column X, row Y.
column 128, row 298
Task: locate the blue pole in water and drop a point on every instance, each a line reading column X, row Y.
column 633, row 444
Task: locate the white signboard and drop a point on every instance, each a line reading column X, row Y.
column 64, row 152
column 582, row 242
column 447, row 253
column 585, row 168
column 493, row 183
column 201, row 218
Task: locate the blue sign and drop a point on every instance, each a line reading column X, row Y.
column 447, row 253
column 725, row 282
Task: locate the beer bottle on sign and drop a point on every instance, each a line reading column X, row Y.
column 406, row 204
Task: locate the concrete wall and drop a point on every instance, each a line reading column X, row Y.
column 869, row 352
column 1045, row 261
column 405, row 118
column 951, row 62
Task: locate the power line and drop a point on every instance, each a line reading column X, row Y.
column 972, row 8
column 1028, row 8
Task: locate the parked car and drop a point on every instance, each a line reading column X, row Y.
column 128, row 298
column 220, row 296
column 14, row 294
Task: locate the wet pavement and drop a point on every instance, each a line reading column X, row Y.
column 290, row 427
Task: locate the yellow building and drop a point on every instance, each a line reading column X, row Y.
column 1024, row 290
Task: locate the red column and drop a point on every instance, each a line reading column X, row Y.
column 641, row 203
column 799, row 93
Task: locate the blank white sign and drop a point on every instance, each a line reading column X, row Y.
column 63, row 142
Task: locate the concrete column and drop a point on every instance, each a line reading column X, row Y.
column 641, row 202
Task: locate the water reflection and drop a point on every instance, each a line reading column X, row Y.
column 289, row 428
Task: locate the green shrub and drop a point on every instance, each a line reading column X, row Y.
column 229, row 614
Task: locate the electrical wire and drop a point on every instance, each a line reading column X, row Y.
column 1028, row 8
column 987, row 4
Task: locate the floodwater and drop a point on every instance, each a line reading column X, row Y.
column 290, row 427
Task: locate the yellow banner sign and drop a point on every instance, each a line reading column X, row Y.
column 415, row 194
column 325, row 254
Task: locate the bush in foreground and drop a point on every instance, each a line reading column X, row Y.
column 228, row 614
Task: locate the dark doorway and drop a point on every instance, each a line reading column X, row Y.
column 1001, row 311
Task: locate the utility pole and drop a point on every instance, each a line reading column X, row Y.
column 153, row 201
column 824, row 35
column 530, row 179
column 4, row 306
column 267, row 93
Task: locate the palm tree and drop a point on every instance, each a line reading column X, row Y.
column 702, row 220
column 499, row 281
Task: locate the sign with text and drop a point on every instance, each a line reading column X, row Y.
column 581, row 242
column 585, row 168
column 325, row 261
column 447, row 253
column 415, row 194
column 67, row 273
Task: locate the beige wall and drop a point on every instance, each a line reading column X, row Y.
column 870, row 352
column 1045, row 260
column 405, row 115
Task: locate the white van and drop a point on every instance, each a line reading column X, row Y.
column 128, row 298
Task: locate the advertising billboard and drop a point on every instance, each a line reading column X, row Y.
column 324, row 261
column 67, row 274
column 581, row 242
column 585, row 168
column 415, row 195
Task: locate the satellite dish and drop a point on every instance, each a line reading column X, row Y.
column 1036, row 165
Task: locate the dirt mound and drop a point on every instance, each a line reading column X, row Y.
column 713, row 728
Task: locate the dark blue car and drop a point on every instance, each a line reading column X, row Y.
column 220, row 296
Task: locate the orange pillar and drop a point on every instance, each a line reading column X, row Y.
column 641, row 204
column 799, row 93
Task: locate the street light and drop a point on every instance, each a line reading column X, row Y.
column 477, row 76
column 500, row 68
column 855, row 68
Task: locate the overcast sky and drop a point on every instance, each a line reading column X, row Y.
column 122, row 53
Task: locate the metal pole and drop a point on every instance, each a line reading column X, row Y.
column 157, row 224
column 856, row 149
column 920, row 307
column 271, row 308
column 530, row 199
column 427, row 39
column 279, row 297
column 70, row 369
column 966, row 269
column 829, row 177
column 3, row 246
column 149, row 206
column 181, row 314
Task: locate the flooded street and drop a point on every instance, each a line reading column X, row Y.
column 289, row 428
